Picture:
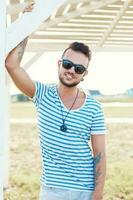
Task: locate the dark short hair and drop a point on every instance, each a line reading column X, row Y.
column 79, row 47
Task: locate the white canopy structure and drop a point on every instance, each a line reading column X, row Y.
column 105, row 25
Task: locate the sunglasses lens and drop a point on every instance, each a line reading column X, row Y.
column 67, row 64
column 79, row 69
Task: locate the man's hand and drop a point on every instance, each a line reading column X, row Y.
column 29, row 7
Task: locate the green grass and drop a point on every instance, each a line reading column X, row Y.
column 123, row 99
column 25, row 163
column 26, row 110
column 23, row 110
column 118, row 111
column 119, row 182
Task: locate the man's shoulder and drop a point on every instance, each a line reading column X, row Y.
column 50, row 85
column 47, row 85
column 93, row 101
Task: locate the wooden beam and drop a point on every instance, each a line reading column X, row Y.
column 14, row 16
column 90, row 20
column 69, row 31
column 15, row 8
column 60, row 46
column 83, row 28
column 33, row 60
column 63, row 35
column 74, row 29
column 114, row 23
column 76, row 1
column 59, row 11
column 87, row 23
column 77, row 13
column 29, row 22
column 121, row 42
column 123, row 36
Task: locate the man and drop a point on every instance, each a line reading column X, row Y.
column 68, row 119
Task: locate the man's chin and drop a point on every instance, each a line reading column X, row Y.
column 68, row 84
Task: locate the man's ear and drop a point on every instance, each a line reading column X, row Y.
column 59, row 63
column 85, row 74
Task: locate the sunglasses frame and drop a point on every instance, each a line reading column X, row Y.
column 76, row 66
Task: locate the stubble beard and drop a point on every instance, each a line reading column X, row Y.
column 67, row 84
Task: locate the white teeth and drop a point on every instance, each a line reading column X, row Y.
column 69, row 76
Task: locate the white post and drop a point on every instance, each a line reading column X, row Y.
column 4, row 121
column 8, row 40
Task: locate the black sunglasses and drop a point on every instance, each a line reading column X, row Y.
column 67, row 64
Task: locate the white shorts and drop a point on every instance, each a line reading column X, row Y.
column 52, row 193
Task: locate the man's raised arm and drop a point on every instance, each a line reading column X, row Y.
column 17, row 73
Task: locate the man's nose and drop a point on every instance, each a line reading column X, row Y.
column 72, row 69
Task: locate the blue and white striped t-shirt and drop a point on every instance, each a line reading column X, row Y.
column 67, row 160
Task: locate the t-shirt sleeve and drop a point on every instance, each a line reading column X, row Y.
column 39, row 93
column 98, row 122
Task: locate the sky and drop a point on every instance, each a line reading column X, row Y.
column 109, row 72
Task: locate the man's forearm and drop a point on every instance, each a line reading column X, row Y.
column 100, row 172
column 21, row 48
column 14, row 58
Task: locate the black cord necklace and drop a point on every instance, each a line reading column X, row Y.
column 63, row 127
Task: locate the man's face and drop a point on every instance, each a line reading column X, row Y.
column 69, row 77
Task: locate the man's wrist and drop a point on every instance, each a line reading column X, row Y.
column 97, row 196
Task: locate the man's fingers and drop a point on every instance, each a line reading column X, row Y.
column 32, row 3
column 29, row 8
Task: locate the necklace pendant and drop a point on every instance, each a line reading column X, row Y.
column 63, row 128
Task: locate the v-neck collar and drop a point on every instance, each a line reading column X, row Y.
column 62, row 104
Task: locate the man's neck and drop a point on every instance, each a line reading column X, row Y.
column 66, row 92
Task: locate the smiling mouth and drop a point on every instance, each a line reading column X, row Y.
column 68, row 76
